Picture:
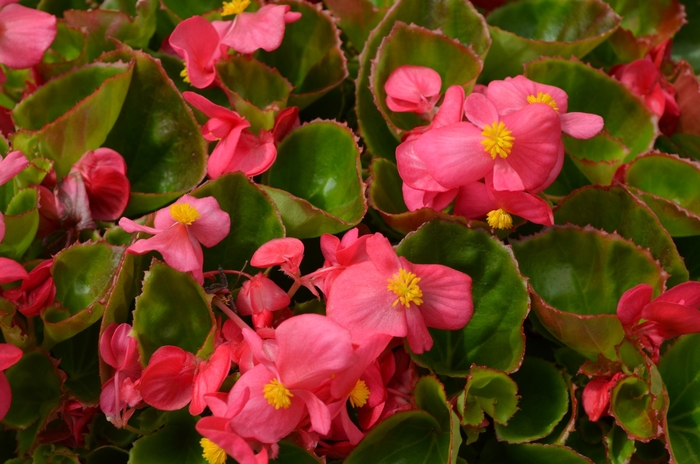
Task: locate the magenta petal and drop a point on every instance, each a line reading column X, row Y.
column 209, row 377
column 5, row 396
column 686, row 294
column 672, row 319
column 9, row 355
column 417, row 199
column 26, row 34
column 197, row 41
column 279, row 251
column 581, row 125
column 354, row 434
column 480, row 110
column 253, row 154
column 526, row 205
column 451, row 109
column 418, row 337
column 596, row 398
column 130, row 226
column 216, row 430
column 629, row 308
column 166, row 383
column 11, row 270
column 555, row 170
column 447, row 296
column 412, row 88
column 262, row 29
column 12, row 165
column 474, row 201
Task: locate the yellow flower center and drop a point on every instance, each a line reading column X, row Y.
column 497, row 141
column 184, row 213
column 278, row 396
column 499, row 219
column 235, row 7
column 405, row 286
column 543, row 98
column 212, row 452
column 359, row 394
column 185, row 77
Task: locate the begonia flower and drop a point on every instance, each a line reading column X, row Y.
column 412, row 89
column 9, row 356
column 198, row 42
column 180, row 229
column 11, row 271
column 10, row 166
column 310, row 350
column 596, row 395
column 36, row 292
column 104, row 176
column 260, row 294
column 477, row 200
column 262, row 29
column 72, row 203
column 339, row 254
column 651, row 322
column 26, row 34
column 286, row 253
column 520, row 149
column 390, row 295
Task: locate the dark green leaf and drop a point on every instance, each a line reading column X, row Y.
column 177, row 442
column 492, row 392
column 631, row 403
column 21, row 224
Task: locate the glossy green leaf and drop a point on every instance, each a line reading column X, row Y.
column 257, row 91
column 357, row 18
column 456, row 64
column 669, row 183
column 531, row 453
column 312, row 71
column 386, row 197
column 11, row 332
column 618, row 446
column 592, row 91
column 34, row 173
column 569, row 179
column 318, row 165
column 680, row 370
column 79, row 360
column 59, row 121
column 294, row 454
column 494, row 335
column 172, row 310
column 525, row 30
column 455, row 18
column 54, row 454
column 254, row 220
column 544, row 400
column 686, row 43
column 429, row 395
column 21, row 224
column 177, row 442
column 67, row 51
column 491, row 392
column 614, row 209
column 584, row 271
column 684, row 145
column 631, row 404
column 598, row 157
column 158, row 137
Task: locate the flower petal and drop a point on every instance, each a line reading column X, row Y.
column 629, row 308
column 26, row 34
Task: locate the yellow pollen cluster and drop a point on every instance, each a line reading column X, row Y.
column 543, row 98
column 235, row 7
column 497, row 141
column 499, row 219
column 405, row 285
column 212, row 452
column 278, row 396
column 359, row 394
column 184, row 213
column 185, row 77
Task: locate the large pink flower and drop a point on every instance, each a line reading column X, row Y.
column 9, row 355
column 25, row 34
column 392, row 296
column 520, row 149
column 178, row 231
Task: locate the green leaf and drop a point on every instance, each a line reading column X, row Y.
column 614, row 209
column 21, row 224
column 680, row 370
column 526, row 30
column 34, row 173
column 429, row 395
column 631, row 404
column 294, row 454
column 357, row 19
column 494, row 335
column 544, row 402
column 619, row 447
column 79, row 360
column 318, row 165
column 257, row 91
column 315, row 70
column 60, row 120
column 172, row 310
column 457, row 19
column 491, row 392
column 67, row 51
column 531, row 453
column 686, row 43
column 669, row 183
column 598, row 157
column 177, row 442
column 456, row 64
column 107, row 455
column 254, row 220
column 158, row 137
column 591, row 91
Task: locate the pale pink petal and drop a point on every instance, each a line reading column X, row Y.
column 180, row 250
column 318, row 412
column 418, row 337
column 480, row 110
column 279, row 251
column 166, row 382
column 506, row 97
column 629, row 308
column 253, row 154
column 452, row 108
column 447, row 296
column 417, row 199
column 216, row 430
column 525, row 205
column 11, row 270
column 532, row 88
column 474, row 201
column 9, row 356
column 214, row 224
column 382, row 255
column 197, row 41
column 581, row 125
column 12, row 165
column 686, row 294
column 130, row 226
column 412, row 89
column 26, row 34
column 413, row 171
column 505, row 177
column 261, row 294
column 209, row 377
column 262, row 29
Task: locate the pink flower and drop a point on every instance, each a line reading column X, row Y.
column 260, row 294
column 286, row 253
column 596, row 395
column 104, row 175
column 11, row 271
column 26, row 34
column 390, row 295
column 9, row 356
column 178, row 231
column 198, row 41
column 477, row 200
column 412, row 89
column 36, row 292
column 263, row 29
column 520, row 149
column 673, row 313
column 339, row 254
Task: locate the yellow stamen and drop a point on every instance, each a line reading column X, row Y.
column 185, row 77
column 184, row 213
column 278, row 396
column 499, row 219
column 498, row 140
column 235, row 7
column 405, row 286
column 543, row 98
column 359, row 394
column 212, row 452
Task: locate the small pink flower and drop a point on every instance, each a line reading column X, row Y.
column 286, row 253
column 11, row 271
column 178, row 231
column 260, row 294
column 389, row 295
column 26, row 34
column 104, row 176
column 413, row 89
column 596, row 396
column 263, row 29
column 199, row 42
column 339, row 254
column 9, row 356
